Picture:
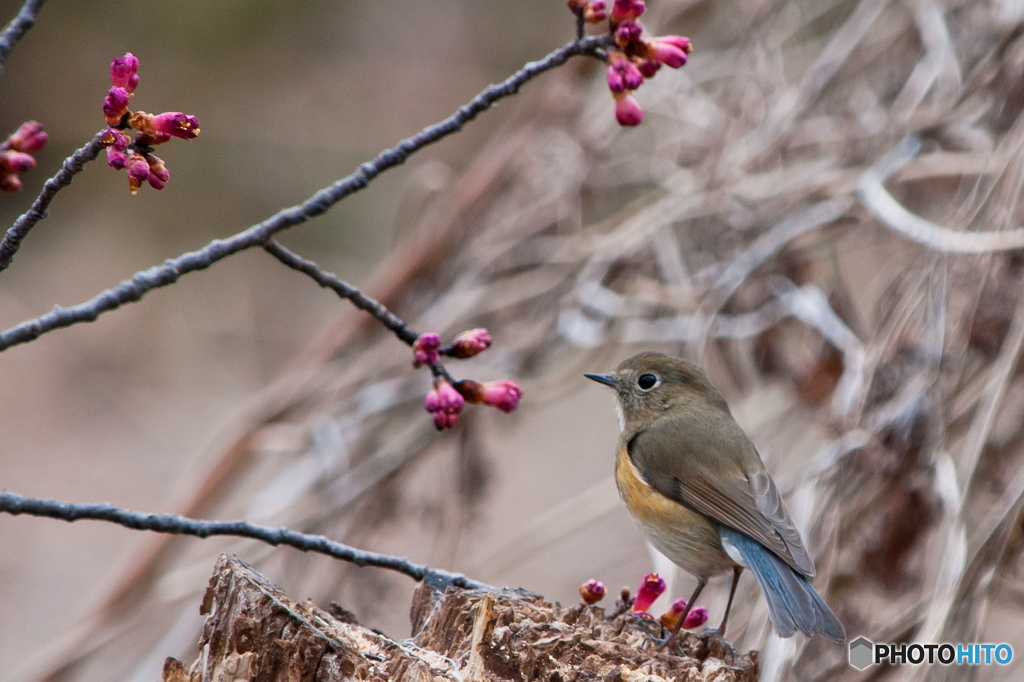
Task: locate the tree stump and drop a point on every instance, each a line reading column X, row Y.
column 253, row 632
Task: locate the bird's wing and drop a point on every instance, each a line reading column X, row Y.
column 722, row 478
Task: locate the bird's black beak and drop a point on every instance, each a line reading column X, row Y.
column 606, row 379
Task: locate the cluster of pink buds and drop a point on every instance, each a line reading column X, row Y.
column 651, row 587
column 633, row 59
column 697, row 616
column 426, row 350
column 447, row 399
column 137, row 155
column 16, row 154
column 592, row 591
column 445, row 403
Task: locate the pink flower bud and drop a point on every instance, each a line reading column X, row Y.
column 623, row 75
column 138, row 172
column 16, row 162
column 448, row 399
column 425, row 349
column 9, row 182
column 592, row 591
column 470, row 343
column 504, row 395
column 444, row 420
column 671, row 617
column 113, row 138
column 29, row 137
column 176, row 124
column 650, row 589
column 648, row 67
column 697, row 616
column 431, row 401
column 682, row 42
column 627, row 32
column 596, row 11
column 123, row 72
column 670, row 50
column 445, row 403
column 115, row 105
column 627, row 110
column 116, row 159
column 158, row 173
column 623, row 10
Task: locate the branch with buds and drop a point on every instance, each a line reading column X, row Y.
column 630, row 61
column 633, row 57
column 137, row 155
column 446, row 400
column 167, row 273
column 26, row 221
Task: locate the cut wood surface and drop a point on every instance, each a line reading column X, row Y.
column 254, row 632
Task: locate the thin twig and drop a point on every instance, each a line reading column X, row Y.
column 360, row 300
column 14, row 504
column 18, row 27
column 27, row 220
column 163, row 275
column 343, row 289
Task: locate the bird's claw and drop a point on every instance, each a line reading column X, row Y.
column 654, row 629
column 718, row 646
column 661, row 642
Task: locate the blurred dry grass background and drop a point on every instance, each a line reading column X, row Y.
column 879, row 377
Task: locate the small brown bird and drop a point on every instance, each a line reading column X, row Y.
column 696, row 486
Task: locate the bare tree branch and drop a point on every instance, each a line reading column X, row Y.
column 343, row 289
column 18, row 27
column 14, row 504
column 133, row 289
column 27, row 220
column 360, row 300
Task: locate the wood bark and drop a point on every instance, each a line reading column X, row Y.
column 253, row 632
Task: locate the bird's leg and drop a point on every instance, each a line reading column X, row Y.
column 719, row 634
column 732, row 593
column 701, row 582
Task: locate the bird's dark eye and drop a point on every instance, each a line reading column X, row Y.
column 647, row 381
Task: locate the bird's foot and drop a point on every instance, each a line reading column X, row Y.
column 663, row 642
column 654, row 629
column 718, row 646
column 675, row 642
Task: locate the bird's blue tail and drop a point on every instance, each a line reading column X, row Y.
column 793, row 603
